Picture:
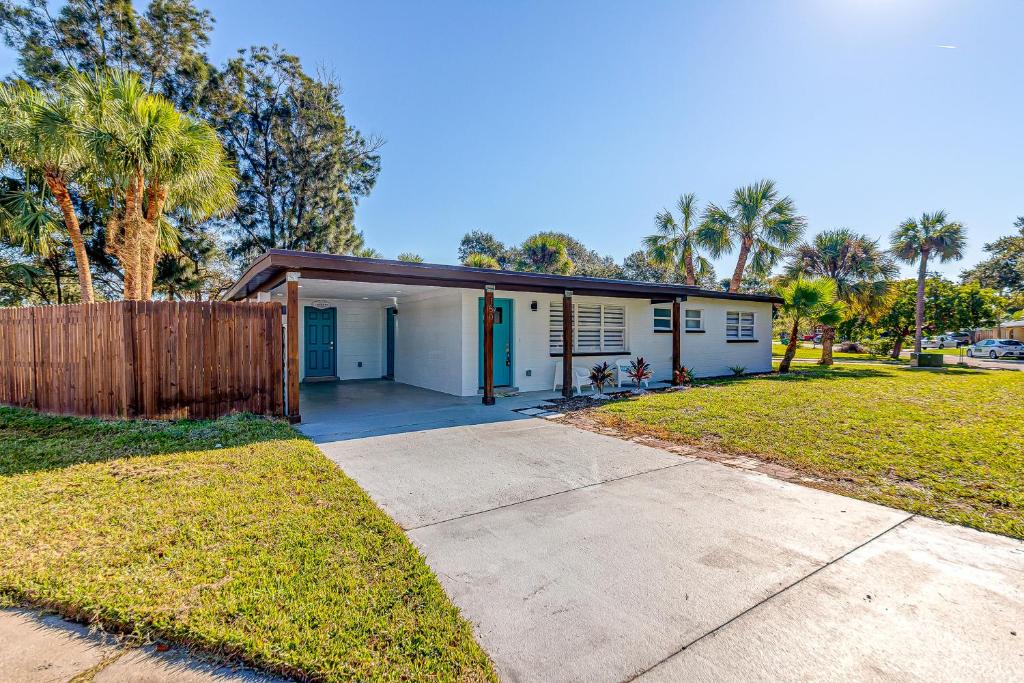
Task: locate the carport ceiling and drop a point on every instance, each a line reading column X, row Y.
column 369, row 291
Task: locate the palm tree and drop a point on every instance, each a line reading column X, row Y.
column 763, row 223
column 862, row 273
column 194, row 178
column 675, row 242
column 39, row 133
column 481, row 261
column 917, row 240
column 808, row 301
column 155, row 160
column 545, row 254
column 410, row 257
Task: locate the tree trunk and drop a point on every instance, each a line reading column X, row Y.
column 58, row 281
column 828, row 335
column 131, row 251
column 922, row 273
column 790, row 348
column 156, row 196
column 691, row 275
column 741, row 265
column 63, row 197
column 897, row 348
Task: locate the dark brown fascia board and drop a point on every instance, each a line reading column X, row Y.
column 268, row 270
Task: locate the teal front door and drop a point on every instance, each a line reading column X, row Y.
column 502, row 342
column 321, row 333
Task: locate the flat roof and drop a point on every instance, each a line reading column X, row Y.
column 269, row 270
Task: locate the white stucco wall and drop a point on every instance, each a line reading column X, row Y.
column 429, row 341
column 360, row 338
column 707, row 353
column 437, row 339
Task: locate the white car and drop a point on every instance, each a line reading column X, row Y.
column 997, row 348
column 943, row 341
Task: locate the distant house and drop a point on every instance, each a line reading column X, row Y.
column 424, row 325
column 1012, row 329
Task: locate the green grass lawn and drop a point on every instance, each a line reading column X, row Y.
column 945, row 352
column 943, row 444
column 779, row 350
column 237, row 536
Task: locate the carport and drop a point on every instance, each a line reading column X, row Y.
column 481, row 332
column 358, row 409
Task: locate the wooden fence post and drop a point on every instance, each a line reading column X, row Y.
column 130, row 393
column 35, row 381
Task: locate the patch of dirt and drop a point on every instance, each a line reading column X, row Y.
column 586, row 401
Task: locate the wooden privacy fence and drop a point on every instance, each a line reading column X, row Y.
column 151, row 359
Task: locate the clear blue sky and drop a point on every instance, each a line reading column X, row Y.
column 589, row 117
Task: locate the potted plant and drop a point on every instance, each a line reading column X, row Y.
column 601, row 374
column 639, row 371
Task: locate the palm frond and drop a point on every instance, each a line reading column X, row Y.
column 25, row 221
column 715, row 233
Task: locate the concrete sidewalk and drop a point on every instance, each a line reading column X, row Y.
column 578, row 556
column 40, row 648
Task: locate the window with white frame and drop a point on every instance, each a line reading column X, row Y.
column 739, row 325
column 598, row 328
column 693, row 320
column 662, row 319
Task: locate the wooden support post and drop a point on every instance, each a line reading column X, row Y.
column 676, row 336
column 292, row 347
column 489, row 345
column 567, row 343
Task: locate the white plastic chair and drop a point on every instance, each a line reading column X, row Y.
column 622, row 372
column 580, row 378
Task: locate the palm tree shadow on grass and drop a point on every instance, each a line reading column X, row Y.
column 31, row 442
column 832, row 373
column 803, row 375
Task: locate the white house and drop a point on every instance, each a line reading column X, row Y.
column 424, row 325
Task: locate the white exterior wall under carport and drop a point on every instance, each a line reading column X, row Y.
column 359, row 348
column 533, row 367
column 428, row 339
column 437, row 339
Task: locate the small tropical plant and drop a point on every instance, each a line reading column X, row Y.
column 639, row 371
column 738, row 369
column 880, row 346
column 808, row 301
column 861, row 270
column 601, row 374
column 683, row 375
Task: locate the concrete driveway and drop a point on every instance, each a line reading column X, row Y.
column 580, row 557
